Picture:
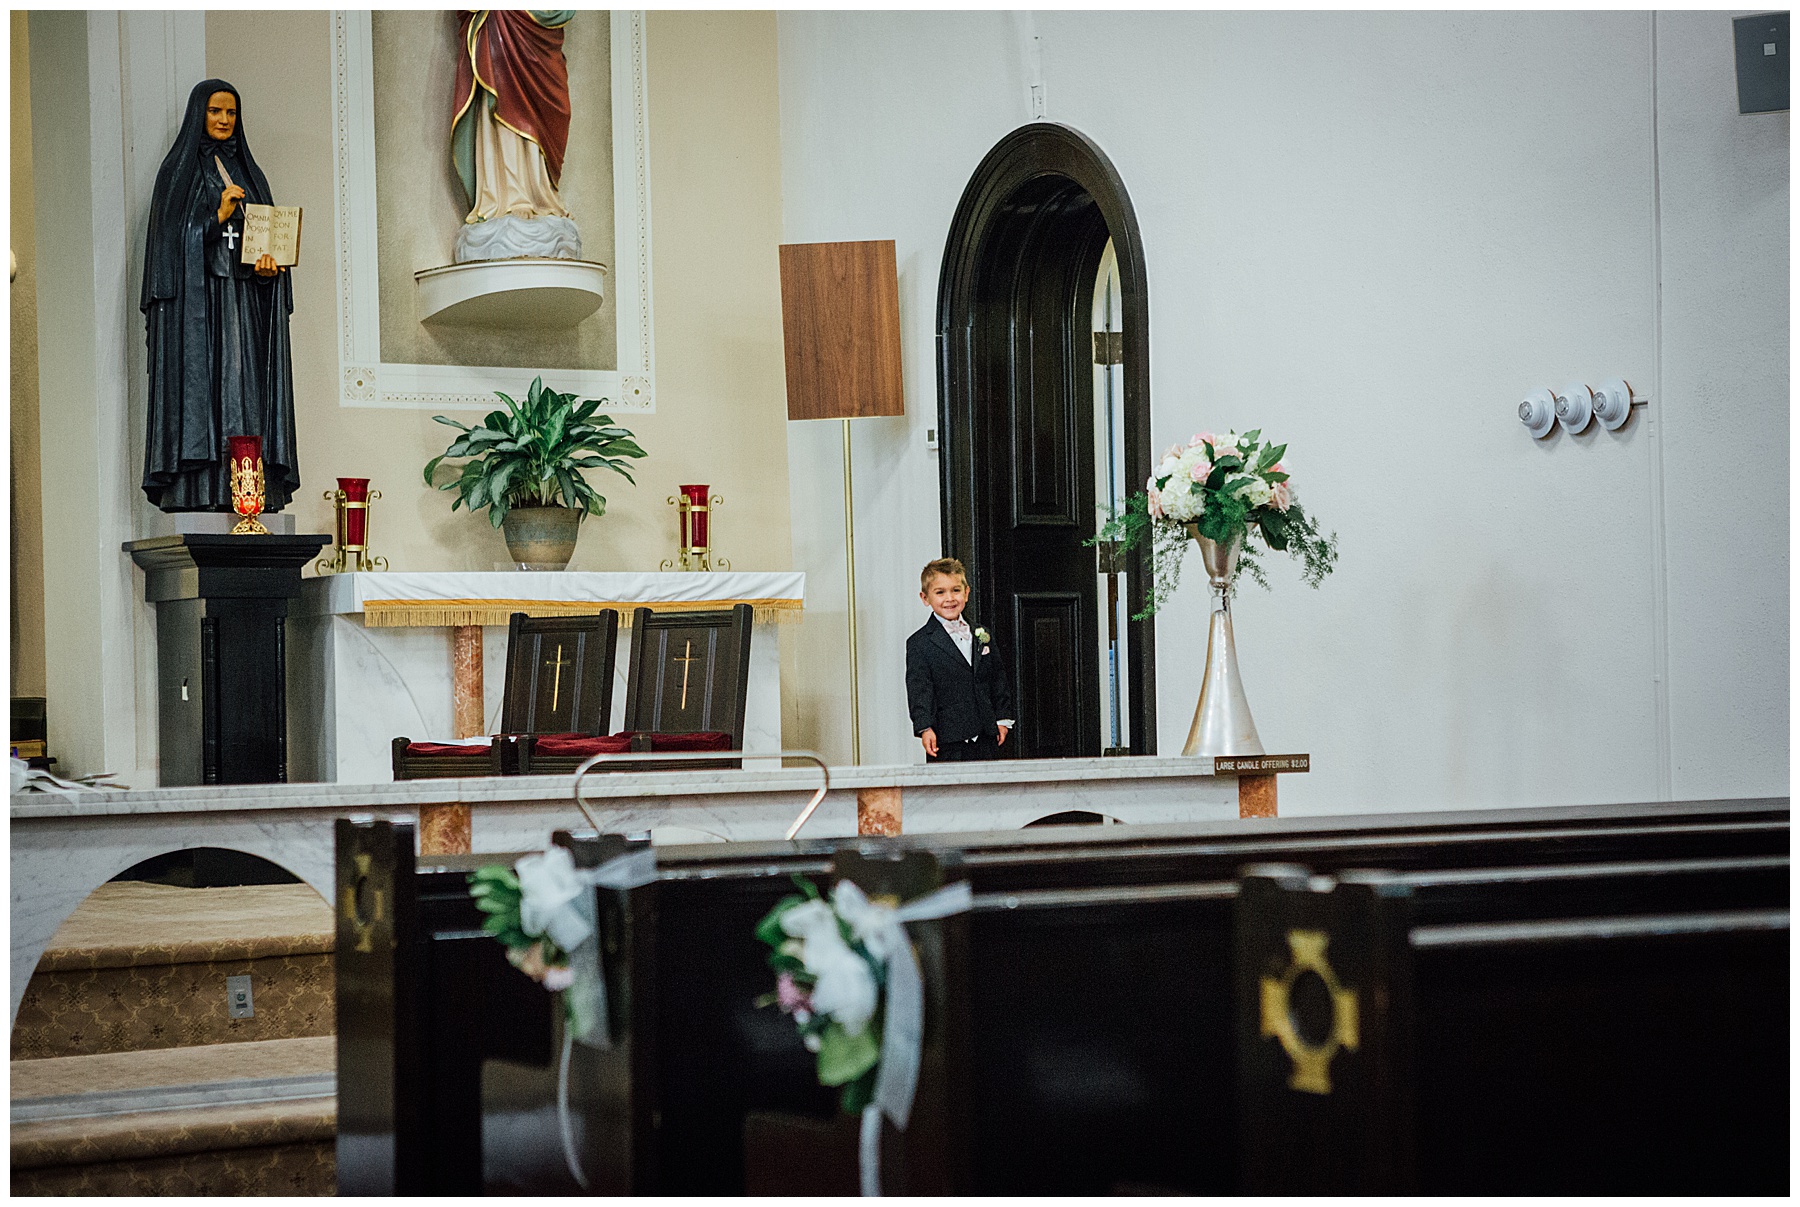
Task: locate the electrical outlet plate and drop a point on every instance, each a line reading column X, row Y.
column 238, row 1002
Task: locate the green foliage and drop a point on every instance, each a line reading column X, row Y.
column 845, row 1060
column 496, row 892
column 844, row 1057
column 532, row 455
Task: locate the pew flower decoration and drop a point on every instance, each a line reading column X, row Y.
column 499, row 894
column 829, row 981
column 1224, row 487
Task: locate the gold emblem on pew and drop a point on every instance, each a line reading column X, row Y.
column 1312, row 1062
column 363, row 925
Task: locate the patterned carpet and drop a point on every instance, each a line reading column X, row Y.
column 129, row 1076
column 142, row 966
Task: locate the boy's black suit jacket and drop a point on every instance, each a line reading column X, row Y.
column 945, row 693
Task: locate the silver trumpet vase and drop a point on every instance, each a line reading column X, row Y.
column 1222, row 721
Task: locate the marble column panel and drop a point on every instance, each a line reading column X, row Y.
column 1256, row 796
column 878, row 811
column 466, row 695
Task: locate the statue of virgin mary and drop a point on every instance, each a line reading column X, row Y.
column 217, row 328
column 508, row 134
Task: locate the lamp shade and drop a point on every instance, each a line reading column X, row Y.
column 840, row 326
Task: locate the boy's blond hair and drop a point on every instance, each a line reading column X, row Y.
column 949, row 567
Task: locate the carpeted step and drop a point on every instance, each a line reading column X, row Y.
column 143, row 966
column 253, row 1117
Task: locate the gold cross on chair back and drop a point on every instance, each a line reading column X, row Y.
column 559, row 674
column 689, row 672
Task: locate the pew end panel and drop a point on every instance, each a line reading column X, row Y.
column 1586, row 1029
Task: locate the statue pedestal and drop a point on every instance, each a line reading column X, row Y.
column 221, row 651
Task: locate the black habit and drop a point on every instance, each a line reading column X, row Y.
column 218, row 333
column 946, row 694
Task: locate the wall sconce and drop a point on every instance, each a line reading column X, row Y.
column 1574, row 407
column 1613, row 403
column 1538, row 412
column 1576, row 404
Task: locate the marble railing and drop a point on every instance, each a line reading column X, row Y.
column 65, row 846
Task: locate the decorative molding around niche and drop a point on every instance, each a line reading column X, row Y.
column 366, row 380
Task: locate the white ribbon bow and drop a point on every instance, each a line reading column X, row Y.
column 881, row 928
column 557, row 900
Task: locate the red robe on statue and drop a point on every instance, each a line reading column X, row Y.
column 518, row 57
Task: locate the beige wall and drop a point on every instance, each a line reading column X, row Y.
column 27, row 506
column 715, row 221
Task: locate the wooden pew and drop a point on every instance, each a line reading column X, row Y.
column 672, row 1008
column 1466, row 1033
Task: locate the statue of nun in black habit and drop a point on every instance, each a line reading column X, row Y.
column 218, row 329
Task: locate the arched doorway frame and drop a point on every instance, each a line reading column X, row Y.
column 1027, row 155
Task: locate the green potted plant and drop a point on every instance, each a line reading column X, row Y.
column 525, row 467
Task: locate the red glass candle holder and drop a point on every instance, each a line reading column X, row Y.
column 246, row 477
column 351, row 501
column 694, row 508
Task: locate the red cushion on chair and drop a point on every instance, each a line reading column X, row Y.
column 681, row 743
column 580, row 745
column 442, row 748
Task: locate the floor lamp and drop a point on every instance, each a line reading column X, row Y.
column 840, row 326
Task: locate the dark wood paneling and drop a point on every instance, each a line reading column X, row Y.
column 1054, row 699
column 689, row 672
column 840, row 327
column 559, row 673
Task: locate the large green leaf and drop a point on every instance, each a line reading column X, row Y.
column 844, row 1057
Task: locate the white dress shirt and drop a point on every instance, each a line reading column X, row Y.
column 964, row 637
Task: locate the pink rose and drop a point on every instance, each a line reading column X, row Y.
column 1202, row 471
column 1207, row 438
column 557, row 977
column 1156, row 510
column 1279, row 495
column 789, row 995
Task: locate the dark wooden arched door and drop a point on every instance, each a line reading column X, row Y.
column 1016, row 422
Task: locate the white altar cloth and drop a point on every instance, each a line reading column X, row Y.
column 394, row 598
column 369, row 654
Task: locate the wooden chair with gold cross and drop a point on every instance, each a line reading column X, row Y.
column 685, row 688
column 559, row 680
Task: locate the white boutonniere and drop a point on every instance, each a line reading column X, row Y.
column 981, row 635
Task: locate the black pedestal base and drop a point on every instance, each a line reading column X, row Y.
column 221, row 652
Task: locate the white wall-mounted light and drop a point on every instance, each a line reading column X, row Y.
column 1613, row 402
column 1574, row 407
column 1538, row 412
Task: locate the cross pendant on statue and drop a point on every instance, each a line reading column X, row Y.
column 231, row 237
column 686, row 665
column 556, row 684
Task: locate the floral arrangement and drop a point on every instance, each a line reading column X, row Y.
column 829, row 981
column 1224, row 488
column 498, row 894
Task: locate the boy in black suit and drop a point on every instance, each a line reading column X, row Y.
column 956, row 688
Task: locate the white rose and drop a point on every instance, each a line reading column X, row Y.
column 548, row 888
column 845, row 988
column 1167, row 466
column 1258, row 493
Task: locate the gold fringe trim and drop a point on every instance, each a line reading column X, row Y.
column 453, row 613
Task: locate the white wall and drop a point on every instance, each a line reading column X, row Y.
column 1370, row 234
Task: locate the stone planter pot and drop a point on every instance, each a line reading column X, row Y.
column 541, row 538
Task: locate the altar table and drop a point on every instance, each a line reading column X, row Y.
column 375, row 656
